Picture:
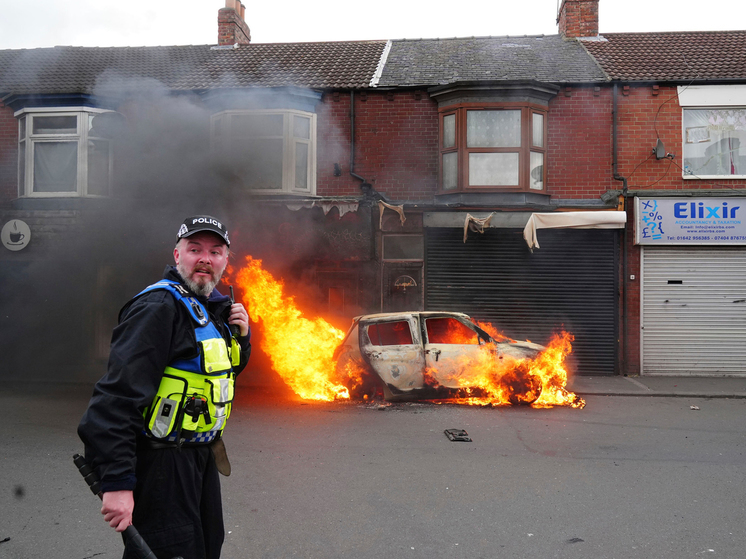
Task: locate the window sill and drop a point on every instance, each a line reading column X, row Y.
column 496, row 198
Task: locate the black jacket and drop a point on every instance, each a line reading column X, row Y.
column 154, row 330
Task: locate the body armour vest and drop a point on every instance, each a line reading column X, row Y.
column 194, row 398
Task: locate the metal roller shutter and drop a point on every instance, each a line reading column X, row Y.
column 570, row 283
column 694, row 311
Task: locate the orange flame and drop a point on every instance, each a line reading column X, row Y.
column 302, row 353
column 540, row 381
column 301, row 349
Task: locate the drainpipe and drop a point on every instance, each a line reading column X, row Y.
column 618, row 177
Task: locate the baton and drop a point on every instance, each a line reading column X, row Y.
column 134, row 539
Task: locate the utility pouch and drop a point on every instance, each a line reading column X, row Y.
column 215, row 355
column 235, row 352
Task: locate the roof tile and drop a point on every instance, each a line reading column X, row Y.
column 346, row 65
column 673, row 56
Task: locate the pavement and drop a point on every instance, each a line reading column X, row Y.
column 661, row 386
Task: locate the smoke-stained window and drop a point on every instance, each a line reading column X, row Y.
column 267, row 151
column 492, row 147
column 61, row 154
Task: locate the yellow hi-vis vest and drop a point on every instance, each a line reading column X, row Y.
column 194, row 398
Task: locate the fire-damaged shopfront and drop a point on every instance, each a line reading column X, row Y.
column 490, row 176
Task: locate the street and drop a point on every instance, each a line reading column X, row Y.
column 626, row 477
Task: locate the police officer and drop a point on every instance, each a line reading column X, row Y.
column 153, row 426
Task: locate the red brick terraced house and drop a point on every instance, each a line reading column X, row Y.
column 516, row 179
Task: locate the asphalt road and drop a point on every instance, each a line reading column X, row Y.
column 626, row 477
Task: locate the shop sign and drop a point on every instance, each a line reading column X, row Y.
column 690, row 221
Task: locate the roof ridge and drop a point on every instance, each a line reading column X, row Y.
column 405, row 40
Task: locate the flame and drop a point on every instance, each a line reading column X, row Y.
column 302, row 353
column 301, row 349
column 540, row 382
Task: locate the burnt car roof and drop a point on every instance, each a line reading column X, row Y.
column 403, row 314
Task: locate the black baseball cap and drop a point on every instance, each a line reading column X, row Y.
column 198, row 223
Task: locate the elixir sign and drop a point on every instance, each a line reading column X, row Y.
column 690, row 221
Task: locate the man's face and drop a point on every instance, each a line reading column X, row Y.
column 200, row 260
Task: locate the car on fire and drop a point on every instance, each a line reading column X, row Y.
column 423, row 355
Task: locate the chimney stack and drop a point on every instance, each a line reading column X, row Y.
column 232, row 28
column 578, row 18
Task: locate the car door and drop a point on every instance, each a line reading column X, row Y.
column 452, row 349
column 393, row 349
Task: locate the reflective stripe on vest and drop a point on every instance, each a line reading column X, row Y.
column 194, row 397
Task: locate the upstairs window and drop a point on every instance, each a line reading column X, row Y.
column 60, row 154
column 269, row 151
column 500, row 147
column 714, row 142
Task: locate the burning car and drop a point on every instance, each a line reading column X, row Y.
column 434, row 355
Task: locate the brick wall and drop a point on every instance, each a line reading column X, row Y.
column 396, row 144
column 8, row 156
column 579, row 149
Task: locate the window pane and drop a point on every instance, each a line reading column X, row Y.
column 301, row 165
column 493, row 129
column 258, row 163
column 98, row 168
column 22, row 169
column 449, row 331
column 390, row 333
column 449, row 131
column 537, row 171
column 55, row 166
column 537, row 130
column 22, row 129
column 301, row 127
column 403, row 247
column 493, row 169
column 450, row 170
column 55, row 124
column 256, row 126
column 715, row 142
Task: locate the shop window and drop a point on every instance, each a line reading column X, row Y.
column 60, row 154
column 269, row 151
column 496, row 147
column 714, row 142
column 403, row 247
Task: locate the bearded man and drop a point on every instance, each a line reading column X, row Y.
column 153, row 427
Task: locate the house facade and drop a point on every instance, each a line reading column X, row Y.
column 383, row 175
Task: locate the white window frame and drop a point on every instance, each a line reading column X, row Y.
column 702, row 98
column 81, row 137
column 220, row 135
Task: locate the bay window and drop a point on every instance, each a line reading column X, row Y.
column 492, row 147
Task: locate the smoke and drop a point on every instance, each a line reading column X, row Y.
column 86, row 261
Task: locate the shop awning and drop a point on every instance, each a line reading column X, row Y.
column 576, row 220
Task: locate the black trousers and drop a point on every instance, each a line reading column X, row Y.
column 178, row 508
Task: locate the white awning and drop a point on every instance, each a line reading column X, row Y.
column 574, row 220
